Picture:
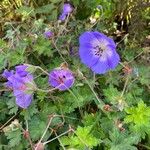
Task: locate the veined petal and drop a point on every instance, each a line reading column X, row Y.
column 7, row 74
column 17, row 92
column 87, row 56
column 100, row 67
column 88, row 38
column 67, row 8
column 108, row 61
column 67, row 84
column 112, row 57
column 16, row 81
column 111, row 42
column 53, row 80
column 21, row 70
column 24, row 100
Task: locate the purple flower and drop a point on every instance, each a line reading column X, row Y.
column 7, row 74
column 67, row 9
column 62, row 17
column 98, row 52
column 61, row 78
column 19, row 81
column 21, row 70
column 48, row 34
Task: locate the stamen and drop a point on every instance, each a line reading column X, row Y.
column 98, row 51
column 60, row 80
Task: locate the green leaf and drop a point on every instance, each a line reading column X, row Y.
column 46, row 9
column 2, row 61
column 139, row 117
column 15, row 57
column 122, row 140
column 36, row 127
column 43, row 47
column 14, row 137
column 144, row 73
column 76, row 98
column 25, row 12
column 112, row 94
column 82, row 140
column 30, row 111
column 13, row 108
column 55, row 1
column 3, row 109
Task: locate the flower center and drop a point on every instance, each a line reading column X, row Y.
column 22, row 87
column 98, row 50
column 61, row 80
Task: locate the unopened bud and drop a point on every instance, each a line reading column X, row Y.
column 39, row 146
column 26, row 134
column 127, row 70
column 107, row 108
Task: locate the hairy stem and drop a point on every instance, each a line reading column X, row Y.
column 44, row 132
column 66, row 132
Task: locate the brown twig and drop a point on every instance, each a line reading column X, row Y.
column 8, row 121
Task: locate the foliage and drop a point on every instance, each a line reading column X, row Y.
column 122, row 141
column 107, row 112
column 139, row 117
column 83, row 139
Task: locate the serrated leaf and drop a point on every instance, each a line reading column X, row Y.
column 144, row 73
column 46, row 9
column 14, row 137
column 36, row 127
column 122, row 140
column 139, row 117
column 112, row 94
column 43, row 47
column 28, row 113
column 82, row 140
column 13, row 108
column 75, row 99
column 25, row 12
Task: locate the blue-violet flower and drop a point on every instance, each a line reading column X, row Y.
column 19, row 82
column 60, row 78
column 98, row 52
column 48, row 34
column 67, row 9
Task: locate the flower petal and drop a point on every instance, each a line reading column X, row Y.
column 100, row 67
column 108, row 61
column 86, row 55
column 24, row 100
column 112, row 59
column 62, row 17
column 21, row 70
column 67, row 8
column 7, row 74
column 88, row 38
